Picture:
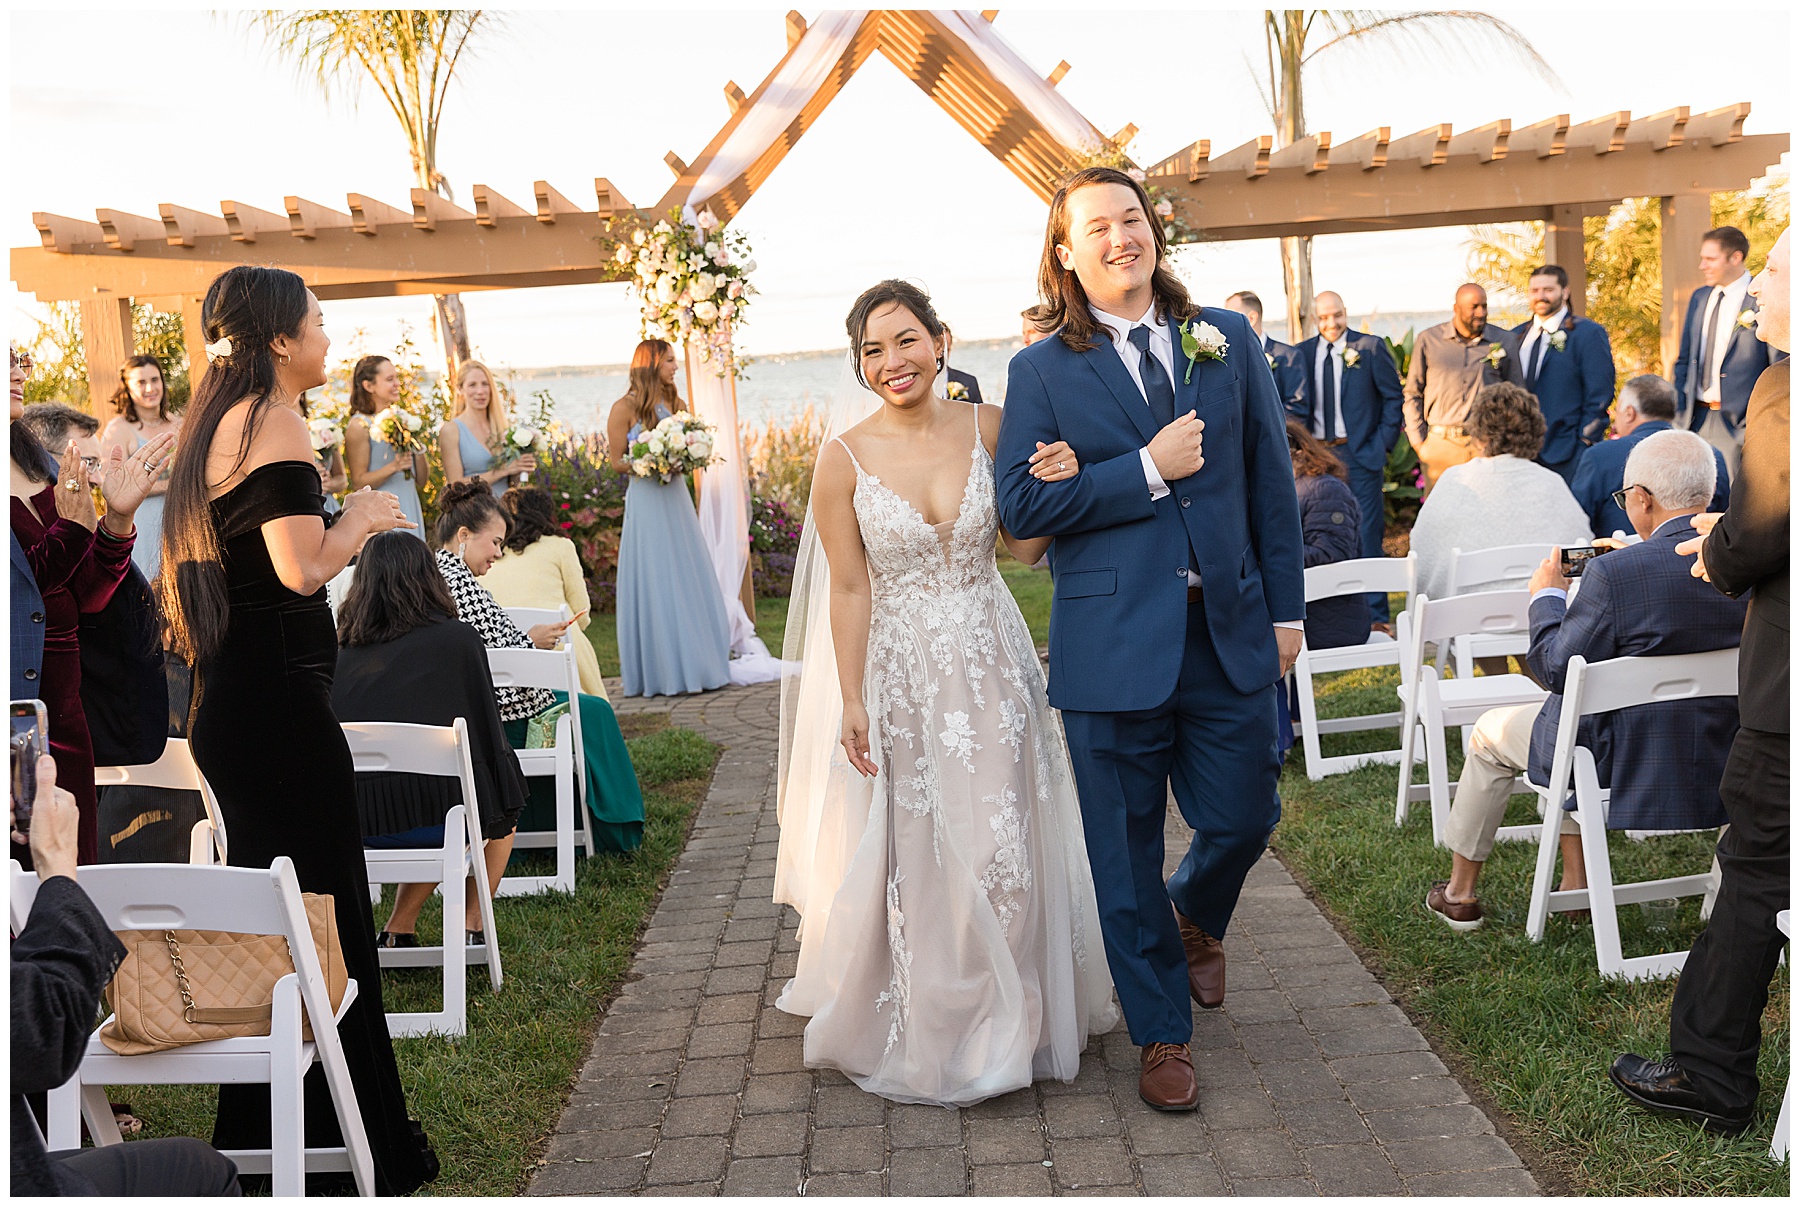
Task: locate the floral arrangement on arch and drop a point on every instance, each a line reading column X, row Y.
column 693, row 280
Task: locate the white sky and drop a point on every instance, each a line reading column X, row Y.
column 184, row 106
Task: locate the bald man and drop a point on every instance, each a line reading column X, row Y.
column 1353, row 404
column 1450, row 364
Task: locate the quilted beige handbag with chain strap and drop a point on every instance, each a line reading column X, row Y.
column 179, row 987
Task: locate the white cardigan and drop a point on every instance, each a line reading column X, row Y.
column 1489, row 502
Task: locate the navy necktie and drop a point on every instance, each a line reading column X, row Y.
column 1158, row 390
column 1537, row 357
column 1328, row 391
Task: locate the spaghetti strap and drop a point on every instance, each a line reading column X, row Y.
column 853, row 460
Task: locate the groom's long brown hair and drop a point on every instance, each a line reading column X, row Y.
column 1064, row 302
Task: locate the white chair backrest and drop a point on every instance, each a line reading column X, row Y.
column 1597, row 687
column 337, row 588
column 526, row 617
column 411, row 749
column 185, row 896
column 552, row 669
column 1473, row 567
column 1384, row 574
column 175, row 769
column 1483, row 612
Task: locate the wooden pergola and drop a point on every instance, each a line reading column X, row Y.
column 1550, row 170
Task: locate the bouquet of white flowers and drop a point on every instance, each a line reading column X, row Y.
column 677, row 445
column 531, row 431
column 326, row 433
column 401, row 429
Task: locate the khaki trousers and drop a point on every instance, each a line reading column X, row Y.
column 1499, row 749
column 1713, row 430
column 1439, row 452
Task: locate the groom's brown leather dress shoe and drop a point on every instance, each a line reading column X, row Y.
column 1167, row 1082
column 1206, row 965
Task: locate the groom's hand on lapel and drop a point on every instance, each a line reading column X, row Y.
column 1287, row 645
column 1176, row 449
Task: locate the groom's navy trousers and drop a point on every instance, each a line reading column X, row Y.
column 1158, row 692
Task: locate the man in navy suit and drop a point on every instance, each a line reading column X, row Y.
column 1179, row 598
column 1662, row 761
column 1354, row 404
column 1720, row 357
column 1284, row 361
column 1568, row 364
column 1646, row 406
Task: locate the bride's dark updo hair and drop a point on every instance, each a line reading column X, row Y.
column 250, row 306
column 889, row 292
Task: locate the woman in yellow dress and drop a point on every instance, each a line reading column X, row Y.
column 539, row 569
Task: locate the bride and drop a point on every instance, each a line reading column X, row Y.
column 930, row 836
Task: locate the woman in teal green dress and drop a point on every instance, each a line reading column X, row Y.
column 473, row 529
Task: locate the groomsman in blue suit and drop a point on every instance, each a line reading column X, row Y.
column 1720, row 357
column 1353, row 403
column 1284, row 360
column 1568, row 364
column 1179, row 599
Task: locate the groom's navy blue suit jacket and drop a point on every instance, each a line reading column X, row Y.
column 1118, row 619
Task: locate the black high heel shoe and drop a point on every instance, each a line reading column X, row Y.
column 392, row 939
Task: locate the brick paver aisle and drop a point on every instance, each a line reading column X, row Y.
column 1312, row 1080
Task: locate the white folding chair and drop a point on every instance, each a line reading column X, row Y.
column 338, row 587
column 1602, row 687
column 176, row 770
column 256, row 901
column 433, row 750
column 1383, row 574
column 526, row 617
column 554, row 670
column 1472, row 568
column 1432, row 703
column 1778, row 1146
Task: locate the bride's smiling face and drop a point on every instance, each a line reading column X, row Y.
column 899, row 356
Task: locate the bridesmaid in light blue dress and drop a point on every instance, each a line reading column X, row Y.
column 477, row 422
column 375, row 386
column 674, row 636
column 141, row 418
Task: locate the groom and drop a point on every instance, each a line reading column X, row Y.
column 1178, row 593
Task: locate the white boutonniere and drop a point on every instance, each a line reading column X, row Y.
column 956, row 391
column 1352, row 358
column 1559, row 340
column 1746, row 318
column 1496, row 354
column 1201, row 341
column 1270, row 357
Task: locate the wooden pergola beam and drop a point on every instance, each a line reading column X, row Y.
column 245, row 222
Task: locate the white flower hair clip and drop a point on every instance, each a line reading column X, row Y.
column 219, row 349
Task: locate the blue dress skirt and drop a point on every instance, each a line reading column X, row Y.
column 399, row 485
column 674, row 637
column 477, row 458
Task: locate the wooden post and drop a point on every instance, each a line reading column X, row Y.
column 1565, row 247
column 1685, row 217
column 106, row 339
column 193, row 338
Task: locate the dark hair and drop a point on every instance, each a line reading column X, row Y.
column 1653, row 396
column 1065, row 302
column 646, row 387
column 891, row 292
column 467, row 504
column 30, row 455
column 532, row 515
column 250, row 306
column 1505, row 420
column 123, row 402
column 397, row 588
column 1249, row 300
column 1551, row 270
column 361, row 401
column 50, row 422
column 1312, row 459
column 1729, row 238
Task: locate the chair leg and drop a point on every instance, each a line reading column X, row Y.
column 1409, row 726
column 287, row 1111
column 485, row 896
column 1537, row 917
column 456, row 963
column 1309, row 720
column 65, row 1106
column 565, row 820
column 1712, row 892
column 1603, row 907
column 1437, row 770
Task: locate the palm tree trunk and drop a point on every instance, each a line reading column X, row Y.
column 452, row 332
column 1297, row 277
column 1289, row 28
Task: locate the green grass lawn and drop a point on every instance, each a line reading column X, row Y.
column 771, row 621
column 1531, row 1026
column 490, row 1099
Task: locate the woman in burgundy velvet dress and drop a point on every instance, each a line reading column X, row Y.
column 78, row 560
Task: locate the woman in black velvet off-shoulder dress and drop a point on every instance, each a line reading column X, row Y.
column 247, row 553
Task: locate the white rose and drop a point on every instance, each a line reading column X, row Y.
column 623, row 255
column 662, row 228
column 525, row 437
column 711, row 250
column 665, row 289
column 727, row 309
column 705, row 220
column 1165, row 208
column 721, row 260
column 705, row 285
column 706, row 312
column 637, row 237
column 735, row 289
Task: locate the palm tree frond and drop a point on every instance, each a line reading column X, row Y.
column 1470, row 35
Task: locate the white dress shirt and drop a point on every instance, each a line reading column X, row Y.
column 1541, row 327
column 1162, row 347
column 1336, row 368
column 1729, row 300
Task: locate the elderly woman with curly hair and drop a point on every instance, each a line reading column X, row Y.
column 1499, row 497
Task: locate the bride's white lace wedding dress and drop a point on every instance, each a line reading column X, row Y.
column 959, row 956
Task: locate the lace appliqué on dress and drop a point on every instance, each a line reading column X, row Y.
column 899, row 990
column 1010, row 873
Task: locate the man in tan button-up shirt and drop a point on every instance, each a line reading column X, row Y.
column 1450, row 364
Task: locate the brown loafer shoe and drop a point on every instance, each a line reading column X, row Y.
column 1206, row 965
column 1457, row 915
column 1167, row 1082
